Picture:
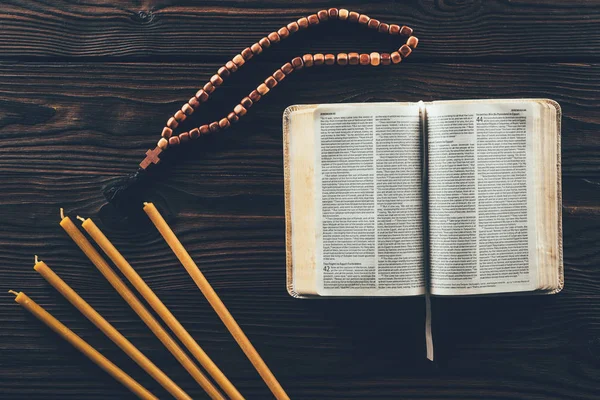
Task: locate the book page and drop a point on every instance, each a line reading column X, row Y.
column 481, row 197
column 369, row 200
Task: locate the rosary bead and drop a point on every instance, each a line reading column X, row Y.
column 375, row 59
column 246, row 102
column 287, row 68
column 283, row 32
column 163, row 143
column 172, row 123
column 385, row 59
column 394, row 29
column 297, row 63
column 333, row 13
column 395, row 57
column 279, row 75
column 313, row 19
column 240, row 110
column 353, row 58
column 230, row 65
column 323, row 15
column 238, row 60
column 232, row 117
column 308, row 60
column 194, row 133
column 256, row 48
column 216, row 80
column 247, row 53
column 353, row 16
column 412, row 42
column 343, row 14
column 264, row 43
column 184, row 137
column 273, row 37
column 174, row 141
column 254, row 96
column 303, row 23
column 179, row 116
column 342, row 59
column 318, row 59
column 193, row 102
column 262, row 89
column 329, row 59
column 363, row 19
column 202, row 95
column 204, row 129
column 406, row 31
column 271, row 82
column 293, row 27
column 365, row 59
column 223, row 72
column 167, row 132
column 374, row 23
column 384, row 28
column 209, row 87
column 224, row 123
column 213, row 126
column 187, row 109
column 404, row 51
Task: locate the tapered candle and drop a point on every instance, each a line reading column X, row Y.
column 82, row 346
column 158, row 306
column 110, row 331
column 215, row 301
column 139, row 308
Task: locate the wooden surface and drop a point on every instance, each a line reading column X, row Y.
column 85, row 88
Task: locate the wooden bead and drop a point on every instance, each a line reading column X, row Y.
column 395, row 56
column 209, row 87
column 412, row 42
column 240, row 110
column 232, row 117
column 238, row 60
column 293, row 27
column 273, row 37
column 184, row 137
column 254, row 96
column 283, row 32
column 333, row 13
column 394, row 29
column 329, row 59
column 194, row 102
column 363, row 19
column 246, row 102
column 194, row 133
column 365, row 59
column 373, row 23
column 375, row 59
column 264, row 43
column 323, row 15
column 308, row 60
column 383, row 28
column 174, row 141
column 318, row 59
column 297, row 63
column 179, row 116
column 216, row 80
column 385, row 59
column 187, row 109
column 247, row 53
column 342, row 59
column 404, row 51
column 343, row 14
column 287, row 68
column 223, row 72
column 262, row 89
column 312, row 19
column 303, row 23
column 224, row 123
column 279, row 75
column 167, row 132
column 353, row 16
column 163, row 143
column 406, row 31
column 271, row 82
column 213, row 126
column 230, row 65
column 353, row 58
column 204, row 129
column 201, row 95
column 172, row 123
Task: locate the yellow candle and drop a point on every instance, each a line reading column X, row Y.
column 82, row 346
column 109, row 330
column 215, row 301
column 158, row 306
column 140, row 309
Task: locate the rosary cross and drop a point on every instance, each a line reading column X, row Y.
column 152, row 157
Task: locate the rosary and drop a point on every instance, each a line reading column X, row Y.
column 170, row 139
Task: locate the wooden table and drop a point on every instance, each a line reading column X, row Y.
column 84, row 92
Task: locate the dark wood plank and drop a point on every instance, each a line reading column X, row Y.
column 216, row 30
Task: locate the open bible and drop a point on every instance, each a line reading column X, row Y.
column 403, row 199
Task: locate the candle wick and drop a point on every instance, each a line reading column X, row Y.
column 13, row 292
column 81, row 218
column 36, row 259
column 62, row 213
column 146, row 203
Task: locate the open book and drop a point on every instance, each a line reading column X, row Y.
column 403, row 199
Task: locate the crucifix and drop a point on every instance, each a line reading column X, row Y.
column 152, row 157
